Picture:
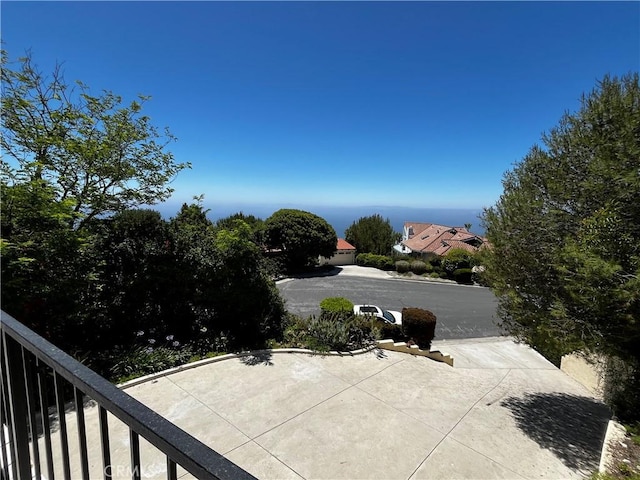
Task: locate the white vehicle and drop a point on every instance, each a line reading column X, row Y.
column 389, row 316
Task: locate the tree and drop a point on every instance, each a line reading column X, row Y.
column 565, row 257
column 137, row 280
column 44, row 270
column 254, row 222
column 229, row 292
column 249, row 304
column 300, row 237
column 98, row 154
column 372, row 235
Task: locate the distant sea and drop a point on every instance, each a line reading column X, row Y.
column 340, row 218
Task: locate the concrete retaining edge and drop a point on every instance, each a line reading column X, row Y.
column 402, row 347
column 382, row 344
column 229, row 356
column 615, row 432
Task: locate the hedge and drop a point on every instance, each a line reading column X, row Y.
column 376, row 261
column 419, row 325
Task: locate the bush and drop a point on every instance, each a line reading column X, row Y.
column 336, row 305
column 376, row 261
column 418, row 267
column 327, row 332
column 622, row 388
column 330, row 331
column 457, row 258
column 463, row 275
column 388, row 330
column 140, row 361
column 419, row 325
column 402, row 266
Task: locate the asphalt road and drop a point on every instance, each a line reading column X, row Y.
column 461, row 311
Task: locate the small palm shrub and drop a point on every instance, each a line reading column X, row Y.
column 419, row 325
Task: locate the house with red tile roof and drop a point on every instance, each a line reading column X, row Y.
column 345, row 254
column 434, row 239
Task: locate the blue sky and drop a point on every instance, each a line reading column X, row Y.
column 415, row 104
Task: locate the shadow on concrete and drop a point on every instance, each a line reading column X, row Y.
column 380, row 353
column 570, row 426
column 257, row 358
column 323, row 271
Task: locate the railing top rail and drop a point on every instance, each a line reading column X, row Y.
column 185, row 450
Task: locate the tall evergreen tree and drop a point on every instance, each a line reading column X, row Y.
column 372, row 234
column 565, row 249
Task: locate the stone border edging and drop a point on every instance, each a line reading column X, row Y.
column 229, row 356
column 401, row 347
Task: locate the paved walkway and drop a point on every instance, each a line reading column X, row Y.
column 503, row 412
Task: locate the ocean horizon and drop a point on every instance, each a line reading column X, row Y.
column 340, row 218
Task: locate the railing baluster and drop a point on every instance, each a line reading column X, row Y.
column 172, row 471
column 17, row 397
column 82, row 432
column 134, row 444
column 4, row 416
column 62, row 422
column 104, row 443
column 43, row 394
column 53, row 366
column 29, row 373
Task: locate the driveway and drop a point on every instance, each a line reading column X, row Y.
column 503, row 412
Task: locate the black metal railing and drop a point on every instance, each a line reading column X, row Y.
column 36, row 374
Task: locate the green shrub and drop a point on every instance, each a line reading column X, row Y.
column 362, row 332
column 336, row 305
column 327, row 332
column 386, row 263
column 364, row 259
column 330, row 331
column 402, row 266
column 463, row 275
column 419, row 325
column 140, row 361
column 418, row 267
column 457, row 258
column 434, row 275
column 388, row 330
column 382, row 262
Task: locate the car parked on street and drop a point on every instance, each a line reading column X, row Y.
column 389, row 316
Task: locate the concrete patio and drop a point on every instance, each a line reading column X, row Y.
column 503, row 412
